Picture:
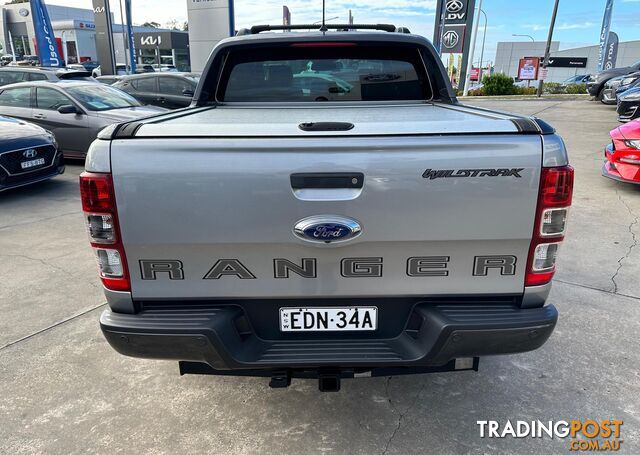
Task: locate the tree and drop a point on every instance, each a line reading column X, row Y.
column 13, row 2
column 172, row 24
column 151, row 24
column 185, row 26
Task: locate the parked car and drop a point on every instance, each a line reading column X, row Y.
column 630, row 81
column 12, row 74
column 6, row 59
column 164, row 68
column 28, row 154
column 622, row 155
column 75, row 111
column 121, row 70
column 595, row 85
column 282, row 230
column 610, row 88
column 108, row 80
column 90, row 65
column 577, row 79
column 629, row 105
column 170, row 90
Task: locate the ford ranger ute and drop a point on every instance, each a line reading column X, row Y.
column 326, row 209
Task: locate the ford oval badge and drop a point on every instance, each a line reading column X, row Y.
column 327, row 229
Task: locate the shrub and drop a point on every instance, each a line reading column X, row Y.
column 554, row 88
column 577, row 89
column 498, row 84
column 526, row 90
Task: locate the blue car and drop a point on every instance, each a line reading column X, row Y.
column 28, row 154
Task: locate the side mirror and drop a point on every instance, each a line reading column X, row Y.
column 68, row 109
column 188, row 92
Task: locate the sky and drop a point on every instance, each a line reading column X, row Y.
column 578, row 22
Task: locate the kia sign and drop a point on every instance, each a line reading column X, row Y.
column 104, row 37
column 528, row 68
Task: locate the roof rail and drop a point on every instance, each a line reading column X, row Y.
column 267, row 28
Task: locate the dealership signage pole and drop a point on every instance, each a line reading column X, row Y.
column 132, row 47
column 604, row 34
column 45, row 40
column 467, row 76
column 547, row 51
column 454, row 20
column 104, row 37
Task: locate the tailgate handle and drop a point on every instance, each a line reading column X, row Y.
column 326, row 126
column 327, row 180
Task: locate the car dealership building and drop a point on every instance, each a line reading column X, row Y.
column 74, row 29
column 569, row 62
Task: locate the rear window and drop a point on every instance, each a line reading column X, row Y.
column 308, row 72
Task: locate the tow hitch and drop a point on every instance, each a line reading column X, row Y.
column 329, row 379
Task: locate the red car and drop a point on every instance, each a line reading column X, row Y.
column 623, row 154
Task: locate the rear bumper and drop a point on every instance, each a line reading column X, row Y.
column 222, row 337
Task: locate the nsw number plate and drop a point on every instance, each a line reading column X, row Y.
column 32, row 163
column 328, row 319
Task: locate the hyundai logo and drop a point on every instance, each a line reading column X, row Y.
column 327, row 229
column 453, row 6
column 450, row 39
column 30, row 153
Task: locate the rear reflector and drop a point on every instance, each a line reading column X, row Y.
column 554, row 198
column 101, row 219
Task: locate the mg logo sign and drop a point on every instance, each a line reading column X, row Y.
column 450, row 39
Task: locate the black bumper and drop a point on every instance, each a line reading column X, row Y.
column 593, row 88
column 432, row 335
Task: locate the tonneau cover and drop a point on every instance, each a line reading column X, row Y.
column 284, row 121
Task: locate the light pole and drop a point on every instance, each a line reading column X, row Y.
column 467, row 77
column 548, row 47
column 484, row 38
column 527, row 36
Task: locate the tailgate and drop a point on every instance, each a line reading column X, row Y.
column 215, row 218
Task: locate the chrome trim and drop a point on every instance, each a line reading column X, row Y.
column 119, row 301
column 306, row 223
column 535, row 296
column 555, row 234
column 55, row 155
column 548, row 269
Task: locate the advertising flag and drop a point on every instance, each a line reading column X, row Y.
column 604, row 34
column 132, row 47
column 612, row 51
column 48, row 51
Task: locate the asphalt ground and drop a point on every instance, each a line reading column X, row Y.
column 64, row 390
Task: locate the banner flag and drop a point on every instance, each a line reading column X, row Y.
column 132, row 47
column 604, row 34
column 45, row 40
column 612, row 51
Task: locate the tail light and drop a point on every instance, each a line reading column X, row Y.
column 101, row 219
column 554, row 200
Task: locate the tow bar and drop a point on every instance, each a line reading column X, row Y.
column 329, row 379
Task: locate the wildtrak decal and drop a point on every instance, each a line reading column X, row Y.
column 359, row 267
column 433, row 174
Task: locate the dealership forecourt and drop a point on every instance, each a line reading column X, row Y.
column 64, row 390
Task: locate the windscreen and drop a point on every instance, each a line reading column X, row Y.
column 97, row 97
column 316, row 72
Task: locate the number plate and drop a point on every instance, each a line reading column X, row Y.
column 32, row 163
column 329, row 319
